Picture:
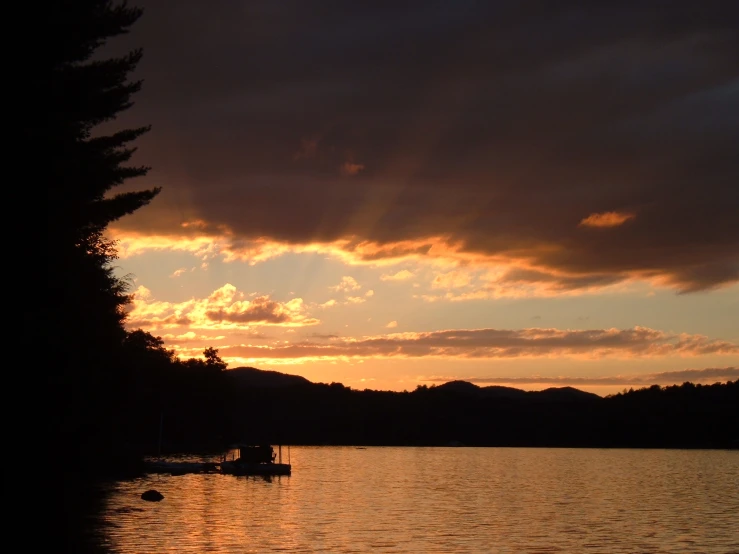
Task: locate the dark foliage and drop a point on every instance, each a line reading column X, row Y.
column 71, row 91
column 208, row 410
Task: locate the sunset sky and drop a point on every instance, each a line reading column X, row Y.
column 388, row 194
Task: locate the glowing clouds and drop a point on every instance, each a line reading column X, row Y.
column 606, row 219
column 131, row 243
column 451, row 280
column 461, row 272
column 225, row 308
column 347, row 284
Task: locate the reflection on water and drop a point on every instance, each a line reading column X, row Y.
column 343, row 499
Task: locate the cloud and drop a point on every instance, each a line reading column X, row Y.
column 505, row 277
column 347, row 284
column 483, row 142
column 402, row 275
column 521, row 282
column 391, row 325
column 132, row 243
column 500, row 343
column 349, row 169
column 225, row 308
column 178, row 272
column 259, row 310
column 324, row 336
column 708, row 375
column 307, row 150
column 192, row 337
column 348, row 300
column 451, row 280
column 606, row 219
column 557, row 282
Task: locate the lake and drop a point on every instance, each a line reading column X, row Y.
column 412, row 499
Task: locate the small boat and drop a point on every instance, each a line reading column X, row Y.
column 256, row 460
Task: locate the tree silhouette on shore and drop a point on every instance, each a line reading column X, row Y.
column 73, row 91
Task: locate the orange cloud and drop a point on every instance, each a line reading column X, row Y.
column 606, row 219
column 131, row 244
column 510, row 274
column 347, row 284
column 451, row 280
column 190, row 337
column 225, row 308
column 349, row 169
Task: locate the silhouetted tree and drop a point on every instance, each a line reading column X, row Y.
column 72, row 89
column 213, row 360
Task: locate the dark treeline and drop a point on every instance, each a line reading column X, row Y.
column 205, row 410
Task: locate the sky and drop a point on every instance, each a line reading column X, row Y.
column 394, row 194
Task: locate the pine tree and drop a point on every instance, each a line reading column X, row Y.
column 72, row 90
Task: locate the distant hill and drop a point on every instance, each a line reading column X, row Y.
column 494, row 391
column 262, row 378
column 564, row 394
column 253, row 377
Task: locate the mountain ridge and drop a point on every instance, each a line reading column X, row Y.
column 255, row 377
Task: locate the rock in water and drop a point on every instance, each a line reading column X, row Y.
column 152, row 496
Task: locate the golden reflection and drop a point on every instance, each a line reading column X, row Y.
column 436, row 499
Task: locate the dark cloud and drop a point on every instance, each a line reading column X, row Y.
column 265, row 313
column 323, row 336
column 558, row 282
column 708, row 375
column 500, row 125
column 260, row 310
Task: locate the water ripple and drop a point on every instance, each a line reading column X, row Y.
column 497, row 500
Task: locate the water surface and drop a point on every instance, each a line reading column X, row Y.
column 347, row 499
